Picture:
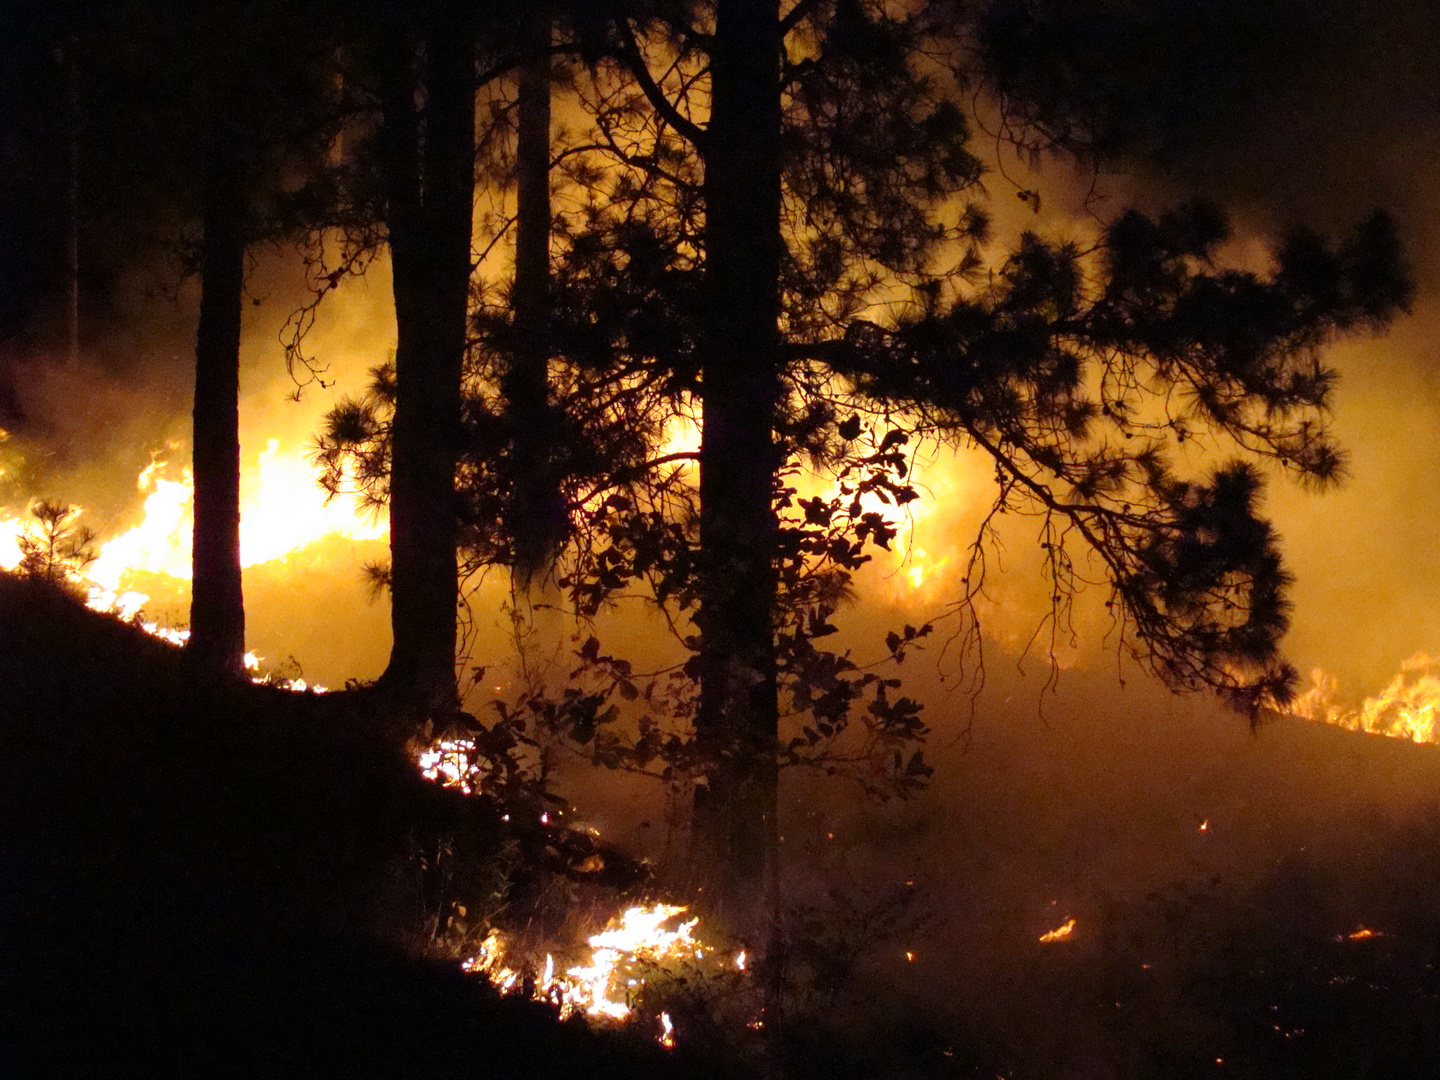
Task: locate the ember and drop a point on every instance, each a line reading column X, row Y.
column 1062, row 932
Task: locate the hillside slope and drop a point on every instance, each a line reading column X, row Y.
column 205, row 879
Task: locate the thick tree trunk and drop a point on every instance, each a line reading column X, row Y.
column 431, row 183
column 536, row 512
column 217, row 606
column 734, row 825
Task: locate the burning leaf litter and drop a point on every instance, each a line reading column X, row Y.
column 642, row 945
column 1063, row 932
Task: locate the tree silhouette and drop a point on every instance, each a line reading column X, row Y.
column 427, row 167
column 779, row 243
column 215, row 114
column 830, row 152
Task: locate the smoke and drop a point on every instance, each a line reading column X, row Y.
column 1077, row 799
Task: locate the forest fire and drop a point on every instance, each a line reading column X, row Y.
column 1407, row 708
column 640, row 941
column 643, row 945
column 283, row 510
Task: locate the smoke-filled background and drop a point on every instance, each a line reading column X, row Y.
column 1150, row 819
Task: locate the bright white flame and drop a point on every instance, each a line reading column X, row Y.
column 282, row 508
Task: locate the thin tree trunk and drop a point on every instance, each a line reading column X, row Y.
column 72, row 168
column 430, row 171
column 735, row 813
column 217, row 606
column 536, row 510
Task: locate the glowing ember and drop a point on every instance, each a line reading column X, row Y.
column 451, row 762
column 1062, row 932
column 1364, row 933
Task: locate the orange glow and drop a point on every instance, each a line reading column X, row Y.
column 1408, row 707
column 640, row 942
column 1063, row 932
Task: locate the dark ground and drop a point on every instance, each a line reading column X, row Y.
column 208, row 880
column 213, row 880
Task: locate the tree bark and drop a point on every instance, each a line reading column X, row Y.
column 430, row 179
column 536, row 512
column 737, row 723
column 217, row 606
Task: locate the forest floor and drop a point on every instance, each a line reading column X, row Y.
column 211, row 879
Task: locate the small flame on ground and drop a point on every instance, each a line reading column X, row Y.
column 639, row 941
column 1364, row 933
column 1063, row 932
column 452, row 763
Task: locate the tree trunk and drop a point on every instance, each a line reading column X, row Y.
column 430, row 180
column 735, row 813
column 217, row 606
column 536, row 512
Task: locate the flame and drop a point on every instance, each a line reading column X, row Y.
column 1364, row 933
column 283, row 509
column 1408, row 707
column 452, row 763
column 604, row 985
column 1063, row 932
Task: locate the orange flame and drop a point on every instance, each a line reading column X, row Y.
column 283, row 509
column 1408, row 707
column 1063, row 932
column 604, row 986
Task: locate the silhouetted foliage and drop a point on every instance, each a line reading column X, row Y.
column 54, row 548
column 1085, row 371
